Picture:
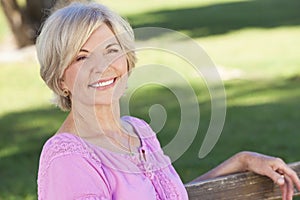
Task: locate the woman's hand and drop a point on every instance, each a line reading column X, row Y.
column 274, row 168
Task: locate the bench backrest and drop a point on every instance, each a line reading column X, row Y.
column 244, row 186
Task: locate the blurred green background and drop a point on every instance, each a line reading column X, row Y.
column 255, row 45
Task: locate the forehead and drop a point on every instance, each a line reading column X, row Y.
column 100, row 38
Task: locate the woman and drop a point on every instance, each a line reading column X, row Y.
column 85, row 53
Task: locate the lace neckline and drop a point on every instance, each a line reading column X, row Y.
column 102, row 149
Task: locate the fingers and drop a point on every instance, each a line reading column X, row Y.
column 283, row 191
column 283, row 176
column 280, row 180
column 290, row 188
column 277, row 170
column 292, row 175
column 276, row 177
column 287, row 189
column 282, row 168
column 285, row 183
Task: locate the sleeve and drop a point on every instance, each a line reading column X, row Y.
column 71, row 177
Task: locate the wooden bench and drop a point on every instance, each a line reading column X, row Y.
column 244, row 186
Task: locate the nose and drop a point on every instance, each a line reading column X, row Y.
column 97, row 63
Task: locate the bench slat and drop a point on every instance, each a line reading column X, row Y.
column 244, row 186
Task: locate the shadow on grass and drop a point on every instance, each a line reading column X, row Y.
column 22, row 137
column 271, row 128
column 223, row 17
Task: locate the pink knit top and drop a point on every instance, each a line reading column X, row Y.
column 71, row 168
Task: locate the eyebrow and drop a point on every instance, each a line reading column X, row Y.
column 84, row 50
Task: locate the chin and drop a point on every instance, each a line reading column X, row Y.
column 106, row 102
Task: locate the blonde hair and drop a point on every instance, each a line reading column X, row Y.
column 66, row 31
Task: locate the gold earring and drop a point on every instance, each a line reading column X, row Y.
column 66, row 93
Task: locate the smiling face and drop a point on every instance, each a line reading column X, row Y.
column 98, row 74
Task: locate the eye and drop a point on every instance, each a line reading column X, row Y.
column 113, row 49
column 79, row 58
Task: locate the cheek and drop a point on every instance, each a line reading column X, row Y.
column 72, row 74
column 121, row 64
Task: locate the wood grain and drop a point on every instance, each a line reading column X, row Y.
column 244, row 186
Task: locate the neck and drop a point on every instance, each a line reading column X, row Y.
column 101, row 125
column 90, row 121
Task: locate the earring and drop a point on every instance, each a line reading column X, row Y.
column 66, row 93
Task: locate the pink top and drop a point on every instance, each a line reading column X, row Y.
column 71, row 168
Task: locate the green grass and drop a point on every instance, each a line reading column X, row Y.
column 4, row 29
column 140, row 7
column 252, row 50
column 258, row 38
column 21, row 87
column 261, row 117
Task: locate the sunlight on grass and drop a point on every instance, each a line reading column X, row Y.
column 177, row 64
column 252, row 92
column 4, row 28
column 21, row 87
column 8, row 151
column 275, row 52
column 21, row 2
column 143, row 6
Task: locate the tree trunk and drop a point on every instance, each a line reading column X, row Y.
column 37, row 11
column 25, row 22
column 19, row 25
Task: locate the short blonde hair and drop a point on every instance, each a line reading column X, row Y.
column 65, row 32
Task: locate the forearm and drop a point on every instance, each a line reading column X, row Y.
column 232, row 165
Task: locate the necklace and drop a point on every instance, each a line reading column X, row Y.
column 119, row 144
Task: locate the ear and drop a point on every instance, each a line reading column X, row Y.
column 62, row 84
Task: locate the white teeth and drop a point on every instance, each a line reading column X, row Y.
column 102, row 84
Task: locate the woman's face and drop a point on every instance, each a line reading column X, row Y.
column 98, row 74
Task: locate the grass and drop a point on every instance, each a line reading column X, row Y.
column 4, row 29
column 259, row 116
column 139, row 7
column 262, row 101
column 21, row 87
column 273, row 51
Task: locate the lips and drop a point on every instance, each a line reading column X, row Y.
column 103, row 83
